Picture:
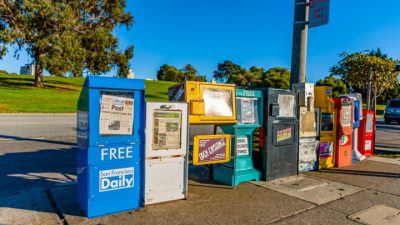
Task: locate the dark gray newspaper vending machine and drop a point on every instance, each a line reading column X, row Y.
column 278, row 156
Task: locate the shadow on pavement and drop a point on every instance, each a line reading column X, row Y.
column 26, row 177
column 37, row 140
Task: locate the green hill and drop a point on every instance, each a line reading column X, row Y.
column 60, row 95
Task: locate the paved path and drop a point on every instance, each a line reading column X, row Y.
column 37, row 170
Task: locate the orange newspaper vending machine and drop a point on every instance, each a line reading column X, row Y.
column 344, row 140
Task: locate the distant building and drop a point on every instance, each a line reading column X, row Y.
column 28, row 69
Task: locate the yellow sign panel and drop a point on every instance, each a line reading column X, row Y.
column 211, row 149
column 209, row 103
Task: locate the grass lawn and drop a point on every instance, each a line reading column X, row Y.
column 60, row 95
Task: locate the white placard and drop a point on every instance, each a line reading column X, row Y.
column 242, row 146
column 286, row 105
column 346, row 116
column 116, row 115
column 368, row 144
column 248, row 111
column 218, row 102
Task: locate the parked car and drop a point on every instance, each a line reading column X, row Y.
column 392, row 111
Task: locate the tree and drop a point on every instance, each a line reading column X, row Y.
column 229, row 72
column 353, row 69
column 171, row 73
column 276, row 77
column 338, row 86
column 66, row 36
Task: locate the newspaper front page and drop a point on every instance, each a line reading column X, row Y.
column 167, row 129
column 116, row 115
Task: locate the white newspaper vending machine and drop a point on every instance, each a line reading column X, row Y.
column 166, row 172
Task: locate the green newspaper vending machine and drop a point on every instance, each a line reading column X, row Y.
column 249, row 112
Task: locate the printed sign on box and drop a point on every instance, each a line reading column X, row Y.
column 210, row 149
column 325, row 149
column 242, row 146
column 115, row 179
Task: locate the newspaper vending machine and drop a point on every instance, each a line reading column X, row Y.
column 166, row 170
column 249, row 105
column 328, row 124
column 110, row 136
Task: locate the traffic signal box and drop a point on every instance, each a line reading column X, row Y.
column 279, row 154
column 344, row 142
column 209, row 103
column 110, row 138
column 366, row 135
column 249, row 105
column 328, row 124
column 309, row 127
column 166, row 173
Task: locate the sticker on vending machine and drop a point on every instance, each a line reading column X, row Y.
column 368, row 144
column 325, row 149
column 242, row 146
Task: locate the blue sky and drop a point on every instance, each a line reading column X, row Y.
column 253, row 32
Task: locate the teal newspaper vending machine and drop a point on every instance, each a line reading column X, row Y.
column 249, row 110
column 110, row 133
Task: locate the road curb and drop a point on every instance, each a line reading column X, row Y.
column 37, row 114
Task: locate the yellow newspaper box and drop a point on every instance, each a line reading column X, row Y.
column 323, row 100
column 209, row 103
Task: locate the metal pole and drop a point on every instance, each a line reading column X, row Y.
column 299, row 47
column 369, row 88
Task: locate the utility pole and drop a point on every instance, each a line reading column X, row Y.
column 369, row 88
column 299, row 47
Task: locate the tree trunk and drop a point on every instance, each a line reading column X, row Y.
column 38, row 72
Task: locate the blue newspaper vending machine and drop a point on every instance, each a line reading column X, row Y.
column 110, row 133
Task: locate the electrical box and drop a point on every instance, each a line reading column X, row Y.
column 249, row 106
column 306, row 94
column 279, row 155
column 344, row 142
column 209, row 103
column 328, row 124
column 110, row 137
column 166, row 171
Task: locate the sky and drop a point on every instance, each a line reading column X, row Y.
column 247, row 32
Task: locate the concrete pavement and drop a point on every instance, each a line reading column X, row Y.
column 37, row 170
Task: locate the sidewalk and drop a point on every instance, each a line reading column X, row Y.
column 334, row 196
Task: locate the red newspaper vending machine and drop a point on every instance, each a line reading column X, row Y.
column 366, row 133
column 344, row 142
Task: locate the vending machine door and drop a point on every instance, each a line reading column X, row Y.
column 280, row 153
